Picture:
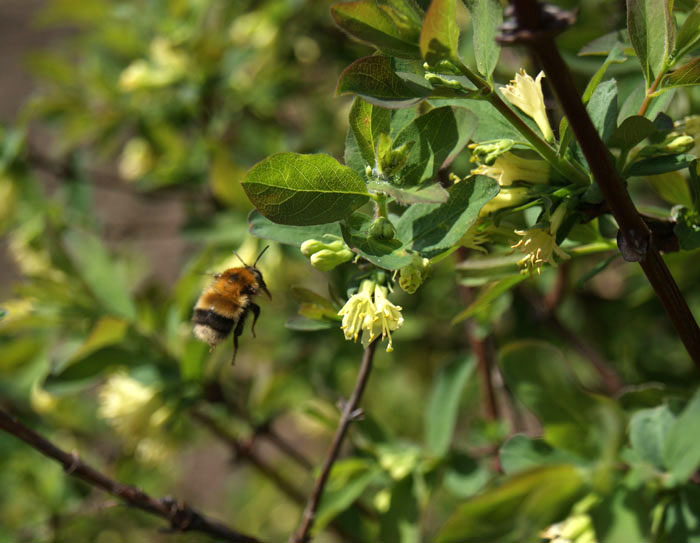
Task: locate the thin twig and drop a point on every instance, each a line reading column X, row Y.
column 245, row 451
column 182, row 518
column 536, row 30
column 303, row 533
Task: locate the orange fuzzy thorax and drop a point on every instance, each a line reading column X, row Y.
column 227, row 296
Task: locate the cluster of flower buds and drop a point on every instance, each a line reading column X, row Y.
column 325, row 256
column 382, row 229
column 412, row 276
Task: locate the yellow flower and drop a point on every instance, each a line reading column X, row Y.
column 474, row 239
column 357, row 311
column 370, row 311
column 386, row 319
column 508, row 197
column 539, row 244
column 525, row 93
column 510, row 167
column 136, row 413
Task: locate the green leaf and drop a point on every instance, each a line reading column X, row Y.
column 347, row 481
column 392, row 26
column 294, row 189
column 303, row 324
column 263, row 228
column 400, row 523
column 464, row 476
column 443, row 404
column 426, row 194
column 651, row 28
column 314, row 306
column 376, row 80
column 91, row 366
column 517, row 509
column 672, row 187
column 439, row 37
column 648, row 431
column 367, row 122
column 607, row 42
column 682, row 450
column 632, row 131
column 436, row 134
column 487, row 16
column 682, row 516
column 602, row 108
column 685, row 76
column 489, row 268
column 433, row 228
column 687, row 228
column 100, row 273
column 537, row 374
column 624, row 516
column 521, row 453
column 660, row 164
column 688, row 35
column 388, row 254
column 487, row 296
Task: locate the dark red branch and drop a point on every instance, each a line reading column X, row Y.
column 182, row 518
column 303, row 533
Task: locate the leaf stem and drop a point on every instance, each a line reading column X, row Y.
column 303, row 533
column 652, row 90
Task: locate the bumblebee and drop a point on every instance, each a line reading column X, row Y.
column 227, row 302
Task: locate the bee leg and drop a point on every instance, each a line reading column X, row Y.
column 237, row 332
column 255, row 308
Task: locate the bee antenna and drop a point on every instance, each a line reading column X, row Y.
column 261, row 253
column 239, row 258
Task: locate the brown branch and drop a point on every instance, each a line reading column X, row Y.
column 302, row 535
column 182, row 518
column 536, row 29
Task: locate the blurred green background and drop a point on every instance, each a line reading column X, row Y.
column 126, row 128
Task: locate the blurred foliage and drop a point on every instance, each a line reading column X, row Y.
column 175, row 101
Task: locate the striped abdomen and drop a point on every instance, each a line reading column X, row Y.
column 210, row 326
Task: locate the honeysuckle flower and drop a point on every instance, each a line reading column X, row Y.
column 539, row 244
column 325, row 256
column 371, row 312
column 525, row 93
column 507, row 197
column 136, row 413
column 488, row 151
column 474, row 238
column 358, row 312
column 386, row 319
column 510, row 167
column 165, row 66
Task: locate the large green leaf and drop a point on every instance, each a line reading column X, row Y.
column 400, row 523
column 624, row 516
column 376, row 79
column 648, row 431
column 682, row 450
column 573, row 420
column 435, row 136
column 688, row 35
column 520, row 453
column 687, row 75
column 660, row 164
column 433, row 228
column 100, row 273
column 439, row 36
column 443, row 404
column 518, row 508
column 347, row 481
column 488, row 295
column 367, row 122
column 651, row 28
column 264, row 228
column 632, row 131
column 487, row 16
column 290, row 188
column 602, row 108
column 392, row 26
